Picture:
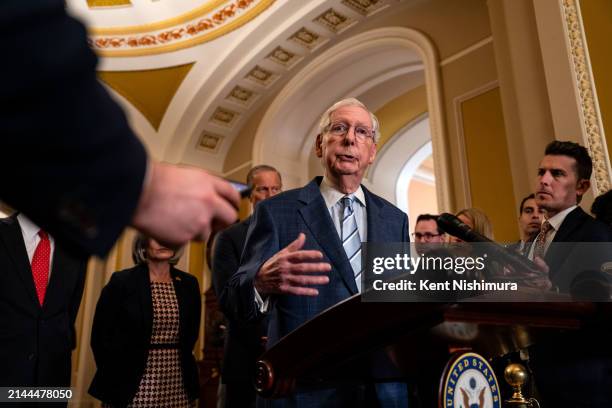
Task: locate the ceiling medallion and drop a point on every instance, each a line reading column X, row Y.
column 241, row 95
column 261, row 76
column 364, row 7
column 333, row 20
column 224, row 117
column 306, row 38
column 209, row 142
column 159, row 38
column 283, row 57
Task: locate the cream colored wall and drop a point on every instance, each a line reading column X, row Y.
column 525, row 100
column 452, row 25
column 462, row 77
column 488, row 162
column 398, row 112
column 426, row 202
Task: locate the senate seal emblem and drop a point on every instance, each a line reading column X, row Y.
column 469, row 382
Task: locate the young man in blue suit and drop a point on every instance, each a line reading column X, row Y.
column 302, row 250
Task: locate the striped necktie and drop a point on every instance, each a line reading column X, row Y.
column 351, row 242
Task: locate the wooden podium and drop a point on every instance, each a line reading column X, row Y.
column 416, row 338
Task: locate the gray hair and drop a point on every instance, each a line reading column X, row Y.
column 139, row 251
column 326, row 117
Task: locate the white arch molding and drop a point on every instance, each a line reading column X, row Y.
column 398, row 161
column 285, row 133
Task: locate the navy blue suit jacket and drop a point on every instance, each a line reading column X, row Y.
column 277, row 222
column 567, row 260
column 576, row 368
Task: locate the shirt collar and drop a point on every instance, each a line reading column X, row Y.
column 28, row 228
column 556, row 220
column 332, row 196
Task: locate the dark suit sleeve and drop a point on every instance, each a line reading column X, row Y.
column 76, row 167
column 225, row 262
column 105, row 320
column 262, row 242
column 77, row 295
column 405, row 235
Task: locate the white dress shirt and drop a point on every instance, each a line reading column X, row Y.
column 332, row 199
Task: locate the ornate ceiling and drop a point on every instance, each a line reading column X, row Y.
column 191, row 74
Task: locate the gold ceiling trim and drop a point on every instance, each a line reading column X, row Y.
column 108, row 3
column 173, row 40
column 159, row 25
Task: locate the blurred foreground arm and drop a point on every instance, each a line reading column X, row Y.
column 70, row 160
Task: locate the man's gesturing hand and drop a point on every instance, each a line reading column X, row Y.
column 292, row 270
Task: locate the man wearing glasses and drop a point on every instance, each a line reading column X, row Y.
column 303, row 250
column 426, row 232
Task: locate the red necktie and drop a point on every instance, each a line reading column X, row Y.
column 40, row 265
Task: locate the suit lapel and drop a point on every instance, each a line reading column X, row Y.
column 180, row 299
column 13, row 239
column 316, row 217
column 556, row 255
column 572, row 221
column 60, row 275
column 375, row 221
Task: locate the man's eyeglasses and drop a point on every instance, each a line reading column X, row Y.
column 340, row 129
column 427, row 235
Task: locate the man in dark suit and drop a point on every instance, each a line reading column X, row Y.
column 576, row 369
column 41, row 286
column 76, row 167
column 243, row 344
column 563, row 179
column 302, row 253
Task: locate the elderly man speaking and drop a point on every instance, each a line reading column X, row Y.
column 303, row 250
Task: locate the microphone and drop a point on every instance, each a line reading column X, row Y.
column 453, row 226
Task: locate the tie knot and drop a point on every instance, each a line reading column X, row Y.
column 347, row 201
column 43, row 235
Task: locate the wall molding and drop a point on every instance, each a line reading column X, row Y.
column 463, row 159
column 466, row 51
column 584, row 83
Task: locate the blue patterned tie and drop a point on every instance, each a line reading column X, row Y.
column 350, row 238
